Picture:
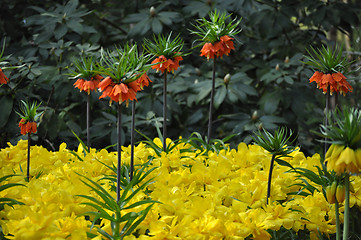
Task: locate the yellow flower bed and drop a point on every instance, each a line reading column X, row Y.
column 215, row 196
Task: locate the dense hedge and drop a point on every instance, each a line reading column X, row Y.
column 268, row 84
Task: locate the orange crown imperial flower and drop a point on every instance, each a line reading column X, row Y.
column 28, row 117
column 218, row 49
column 166, row 64
column 27, row 127
column 122, row 92
column 336, row 82
column 329, row 64
column 88, row 86
column 3, row 78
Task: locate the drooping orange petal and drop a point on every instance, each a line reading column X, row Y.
column 219, row 49
column 88, row 86
column 123, row 88
column 225, row 38
column 22, row 124
column 227, row 41
column 105, row 83
column 316, row 77
column 79, row 84
column 162, row 66
column 178, row 58
column 134, row 85
column 33, row 127
column 97, row 77
column 208, row 51
column 130, row 95
column 116, row 90
column 28, row 127
column 106, row 92
column 326, row 78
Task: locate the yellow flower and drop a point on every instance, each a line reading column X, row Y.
column 340, row 193
column 331, row 193
column 332, row 157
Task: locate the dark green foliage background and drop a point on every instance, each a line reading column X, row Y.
column 46, row 36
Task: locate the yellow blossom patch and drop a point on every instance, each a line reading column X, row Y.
column 203, row 196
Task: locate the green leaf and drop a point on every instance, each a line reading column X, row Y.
column 156, row 26
column 219, row 96
column 283, row 163
column 6, row 107
column 60, row 31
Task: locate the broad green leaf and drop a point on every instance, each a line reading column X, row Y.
column 6, row 107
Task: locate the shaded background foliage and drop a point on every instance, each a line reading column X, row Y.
column 261, row 84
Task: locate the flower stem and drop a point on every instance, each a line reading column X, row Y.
column 337, row 215
column 212, row 100
column 28, row 161
column 116, row 233
column 88, row 122
column 327, row 106
column 132, row 142
column 165, row 111
column 119, row 148
column 270, row 177
column 346, row 221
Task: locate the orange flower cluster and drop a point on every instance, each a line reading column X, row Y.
column 27, row 126
column 166, row 64
column 336, row 81
column 224, row 46
column 3, row 78
column 88, row 86
column 122, row 92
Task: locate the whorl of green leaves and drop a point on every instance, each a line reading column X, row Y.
column 344, row 128
column 123, row 65
column 28, row 111
column 107, row 207
column 275, row 144
column 85, row 68
column 327, row 60
column 164, row 45
column 211, row 31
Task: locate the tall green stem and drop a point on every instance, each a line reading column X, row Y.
column 338, row 226
column 212, row 100
column 28, row 161
column 132, row 142
column 165, row 111
column 88, row 122
column 119, row 149
column 270, row 177
column 346, row 221
column 327, row 107
column 116, row 233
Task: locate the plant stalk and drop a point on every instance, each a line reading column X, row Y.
column 327, row 107
column 212, row 100
column 116, row 233
column 132, row 142
column 28, row 161
column 270, row 177
column 337, row 215
column 88, row 122
column 119, row 149
column 165, row 111
column 346, row 221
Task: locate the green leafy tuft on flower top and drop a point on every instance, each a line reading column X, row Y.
column 211, row 31
column 327, row 60
column 165, row 45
